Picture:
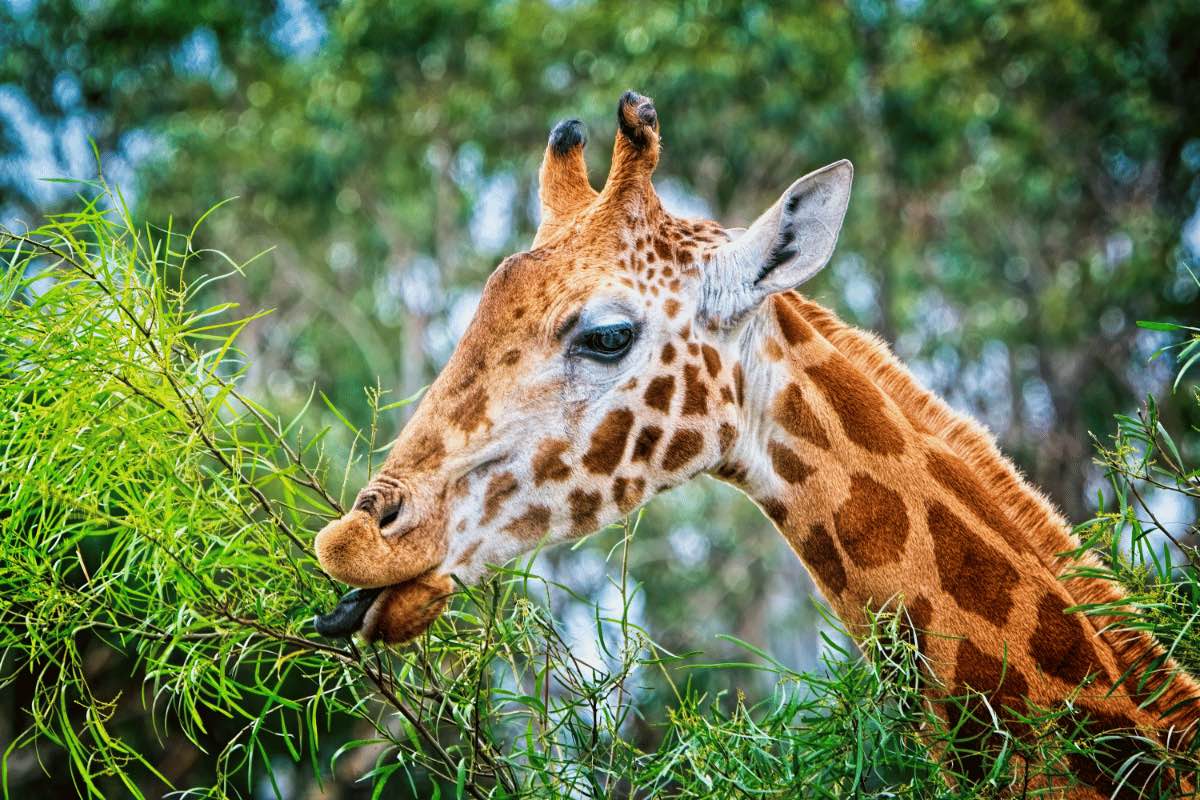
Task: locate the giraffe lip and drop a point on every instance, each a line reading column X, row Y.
column 347, row 616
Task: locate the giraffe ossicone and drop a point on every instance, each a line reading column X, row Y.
column 630, row 350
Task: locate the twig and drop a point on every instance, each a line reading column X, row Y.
column 1187, row 551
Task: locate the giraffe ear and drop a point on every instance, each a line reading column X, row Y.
column 786, row 246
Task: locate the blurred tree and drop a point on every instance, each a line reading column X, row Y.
column 1020, row 168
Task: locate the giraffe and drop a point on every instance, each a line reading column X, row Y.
column 629, row 350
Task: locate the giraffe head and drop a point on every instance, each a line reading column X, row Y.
column 602, row 367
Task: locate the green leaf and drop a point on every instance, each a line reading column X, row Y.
column 460, row 786
column 1159, row 326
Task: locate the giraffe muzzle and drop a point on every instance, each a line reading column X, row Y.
column 397, row 592
column 357, row 551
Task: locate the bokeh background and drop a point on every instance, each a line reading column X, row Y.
column 1027, row 180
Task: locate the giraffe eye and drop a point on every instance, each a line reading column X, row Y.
column 606, row 343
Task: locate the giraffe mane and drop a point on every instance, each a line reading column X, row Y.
column 1027, row 508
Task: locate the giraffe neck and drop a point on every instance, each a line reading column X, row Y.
column 890, row 497
column 835, row 462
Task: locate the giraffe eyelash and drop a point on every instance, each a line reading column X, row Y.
column 606, row 343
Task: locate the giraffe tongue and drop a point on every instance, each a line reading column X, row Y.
column 347, row 615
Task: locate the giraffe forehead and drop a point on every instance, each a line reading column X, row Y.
column 625, row 241
column 549, row 281
column 545, row 288
column 598, row 273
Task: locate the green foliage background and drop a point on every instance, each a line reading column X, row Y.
column 1026, row 189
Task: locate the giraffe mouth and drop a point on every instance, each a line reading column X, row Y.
column 347, row 616
column 391, row 614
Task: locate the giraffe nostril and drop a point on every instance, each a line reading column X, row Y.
column 389, row 516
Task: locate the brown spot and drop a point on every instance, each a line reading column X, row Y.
column 920, row 616
column 1060, row 645
column 726, row 395
column 647, row 440
column 471, row 368
column 530, row 525
column 693, row 349
column 518, row 312
column 671, row 307
column 712, row 361
column 970, row 717
column 461, row 488
column 585, row 507
column 739, row 387
column 608, row 442
column 662, row 249
column 695, row 391
column 989, row 675
column 820, row 554
column 629, row 385
column 659, row 393
column 797, row 418
column 734, row 472
column 872, row 524
column 859, row 405
column 791, row 324
column 499, row 488
column 471, row 413
column 668, row 353
column 547, row 461
column 771, row 350
column 426, row 451
column 465, row 558
column 674, row 285
column 510, row 357
column 725, row 436
column 973, row 572
column 954, row 475
column 685, row 445
column 787, row 464
column 774, row 509
column 627, row 493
